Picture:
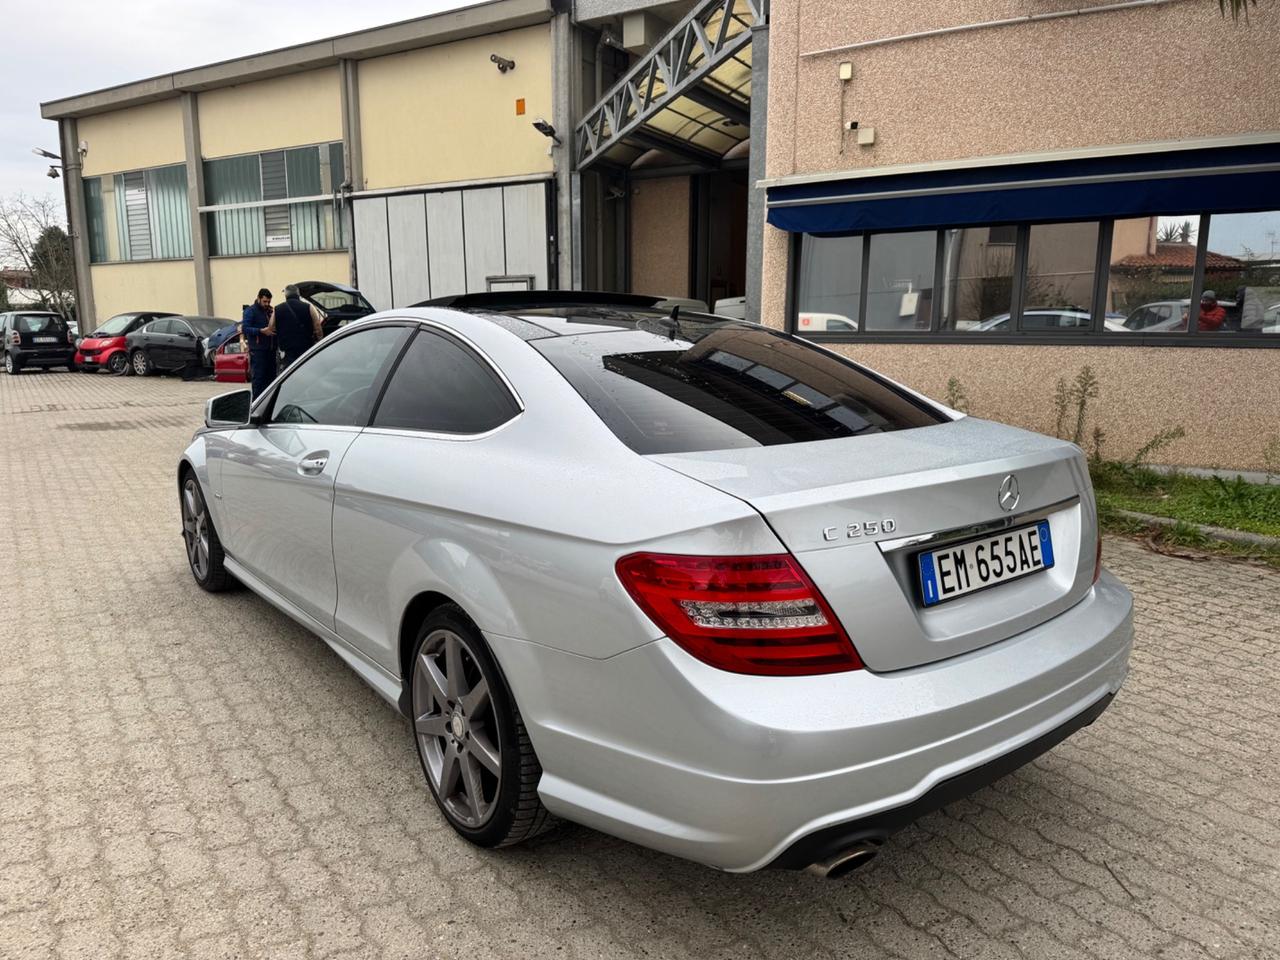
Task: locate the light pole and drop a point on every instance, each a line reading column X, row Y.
column 66, row 209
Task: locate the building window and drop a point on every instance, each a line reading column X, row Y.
column 139, row 215
column 900, row 280
column 1138, row 275
column 830, row 284
column 977, row 280
column 250, row 224
column 1246, row 283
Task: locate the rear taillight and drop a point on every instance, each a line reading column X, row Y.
column 70, row 337
column 759, row 615
column 15, row 339
column 1097, row 559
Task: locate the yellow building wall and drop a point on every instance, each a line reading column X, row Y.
column 133, row 139
column 237, row 280
column 445, row 113
column 269, row 114
column 148, row 285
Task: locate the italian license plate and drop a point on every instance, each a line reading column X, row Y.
column 46, row 339
column 953, row 571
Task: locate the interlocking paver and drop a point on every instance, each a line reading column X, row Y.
column 184, row 775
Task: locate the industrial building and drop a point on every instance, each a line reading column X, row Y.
column 997, row 191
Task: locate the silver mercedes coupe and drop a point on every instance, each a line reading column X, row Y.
column 690, row 581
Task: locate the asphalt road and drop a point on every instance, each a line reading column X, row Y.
column 190, row 775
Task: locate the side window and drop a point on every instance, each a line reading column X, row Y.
column 335, row 387
column 181, row 328
column 442, row 387
column 161, row 326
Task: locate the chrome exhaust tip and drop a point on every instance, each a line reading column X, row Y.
column 844, row 862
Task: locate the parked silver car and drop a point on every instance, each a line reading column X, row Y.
column 692, row 581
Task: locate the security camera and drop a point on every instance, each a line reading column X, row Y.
column 547, row 130
column 503, row 63
column 53, row 173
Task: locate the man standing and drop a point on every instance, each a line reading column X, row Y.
column 1212, row 314
column 299, row 325
column 258, row 327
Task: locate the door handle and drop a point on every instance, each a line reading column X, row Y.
column 313, row 464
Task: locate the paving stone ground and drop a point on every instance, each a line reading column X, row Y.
column 190, row 775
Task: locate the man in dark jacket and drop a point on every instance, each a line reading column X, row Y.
column 299, row 326
column 258, row 327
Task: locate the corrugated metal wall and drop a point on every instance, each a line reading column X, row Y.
column 169, row 214
column 234, row 180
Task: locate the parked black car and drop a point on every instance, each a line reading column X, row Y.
column 171, row 344
column 106, row 346
column 338, row 303
column 36, row 338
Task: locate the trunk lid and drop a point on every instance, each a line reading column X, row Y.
column 937, row 482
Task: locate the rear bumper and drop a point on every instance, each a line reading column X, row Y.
column 745, row 772
column 53, row 357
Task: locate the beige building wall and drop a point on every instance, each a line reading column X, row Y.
column 1069, row 83
column 660, row 237
column 146, row 285
column 271, row 114
column 133, row 139
column 445, row 113
column 236, row 280
column 1229, row 419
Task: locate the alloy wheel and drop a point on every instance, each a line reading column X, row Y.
column 456, row 727
column 119, row 363
column 140, row 363
column 8, row 363
column 195, row 528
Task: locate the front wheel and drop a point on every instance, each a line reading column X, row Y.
column 471, row 740
column 119, row 364
column 204, row 549
column 141, row 363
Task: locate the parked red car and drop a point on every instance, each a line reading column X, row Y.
column 231, row 362
column 105, row 347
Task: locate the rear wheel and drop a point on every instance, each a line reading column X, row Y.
column 119, row 363
column 11, row 365
column 204, row 549
column 471, row 740
column 141, row 363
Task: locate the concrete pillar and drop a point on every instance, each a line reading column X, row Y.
column 756, row 167
column 195, row 200
column 77, row 224
column 352, row 158
column 565, row 78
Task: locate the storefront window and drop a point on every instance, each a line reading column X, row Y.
column 1058, row 295
column 829, row 284
column 1242, row 271
column 977, row 285
column 900, row 280
column 1153, row 261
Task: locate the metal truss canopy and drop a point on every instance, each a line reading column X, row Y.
column 689, row 95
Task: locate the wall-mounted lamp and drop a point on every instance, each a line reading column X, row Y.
column 503, row 63
column 547, row 130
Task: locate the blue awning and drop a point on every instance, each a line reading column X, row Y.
column 1227, row 180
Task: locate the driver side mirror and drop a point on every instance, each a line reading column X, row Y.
column 228, row 409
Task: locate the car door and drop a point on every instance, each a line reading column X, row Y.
column 155, row 340
column 277, row 475
column 182, row 347
column 397, row 490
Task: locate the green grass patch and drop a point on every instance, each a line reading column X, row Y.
column 1235, row 504
column 1183, row 539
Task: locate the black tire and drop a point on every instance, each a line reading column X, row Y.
column 141, row 363
column 119, row 364
column 11, row 365
column 205, row 556
column 515, row 814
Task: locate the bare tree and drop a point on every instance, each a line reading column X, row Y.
column 33, row 238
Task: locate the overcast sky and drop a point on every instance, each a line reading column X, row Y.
column 75, row 46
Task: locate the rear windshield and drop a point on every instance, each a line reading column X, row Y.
column 724, row 385
column 41, row 323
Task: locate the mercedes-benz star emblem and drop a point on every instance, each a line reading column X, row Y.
column 1009, row 495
